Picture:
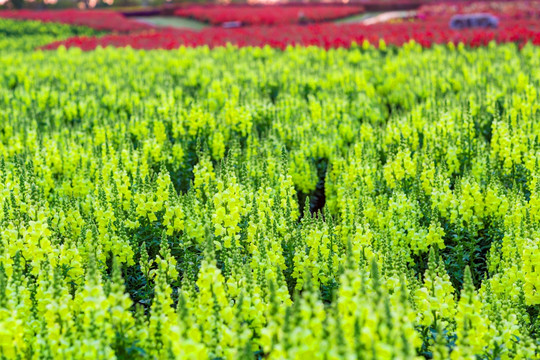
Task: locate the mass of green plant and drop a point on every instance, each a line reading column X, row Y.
column 16, row 35
column 263, row 204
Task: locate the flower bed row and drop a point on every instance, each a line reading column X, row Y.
column 324, row 35
column 95, row 19
column 502, row 9
column 267, row 15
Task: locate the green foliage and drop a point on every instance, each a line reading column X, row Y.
column 16, row 35
column 256, row 203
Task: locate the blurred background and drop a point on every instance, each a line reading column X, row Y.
column 170, row 24
column 67, row 4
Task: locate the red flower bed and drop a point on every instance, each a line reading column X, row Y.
column 518, row 24
column 267, row 15
column 502, row 9
column 95, row 19
column 324, row 35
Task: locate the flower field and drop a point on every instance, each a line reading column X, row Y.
column 328, row 36
column 95, row 19
column 519, row 23
column 320, row 202
column 505, row 9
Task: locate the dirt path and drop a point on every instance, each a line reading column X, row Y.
column 171, row 21
column 375, row 17
column 387, row 16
